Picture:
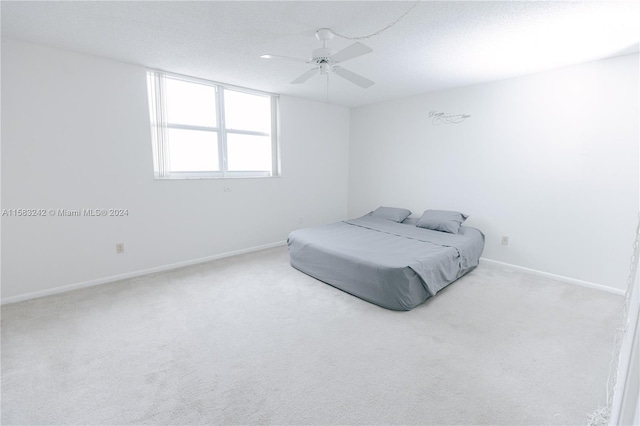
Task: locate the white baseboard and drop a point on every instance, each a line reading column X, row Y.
column 558, row 277
column 105, row 280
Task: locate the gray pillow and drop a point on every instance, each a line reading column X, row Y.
column 411, row 221
column 442, row 220
column 391, row 213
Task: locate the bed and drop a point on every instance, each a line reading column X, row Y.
column 395, row 263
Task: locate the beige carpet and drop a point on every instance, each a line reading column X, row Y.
column 250, row 340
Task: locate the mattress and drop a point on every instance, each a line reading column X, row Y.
column 394, row 265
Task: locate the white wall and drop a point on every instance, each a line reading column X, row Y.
column 550, row 160
column 75, row 135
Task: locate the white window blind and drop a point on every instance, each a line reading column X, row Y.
column 205, row 129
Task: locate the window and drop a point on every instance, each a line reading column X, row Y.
column 204, row 129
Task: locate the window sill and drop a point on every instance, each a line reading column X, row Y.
column 214, row 177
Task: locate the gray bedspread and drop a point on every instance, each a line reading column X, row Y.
column 394, row 265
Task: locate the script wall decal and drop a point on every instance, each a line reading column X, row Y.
column 438, row 117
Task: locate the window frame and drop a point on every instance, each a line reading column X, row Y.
column 156, row 92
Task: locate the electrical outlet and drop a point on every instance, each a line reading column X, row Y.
column 119, row 248
column 505, row 240
column 227, row 189
column 301, row 220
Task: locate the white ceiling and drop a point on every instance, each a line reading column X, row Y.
column 438, row 45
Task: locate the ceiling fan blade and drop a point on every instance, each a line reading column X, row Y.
column 353, row 77
column 306, row 76
column 350, row 52
column 288, row 58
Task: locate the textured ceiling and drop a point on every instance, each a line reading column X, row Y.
column 437, row 45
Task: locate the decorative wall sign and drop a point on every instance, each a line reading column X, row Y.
column 438, row 118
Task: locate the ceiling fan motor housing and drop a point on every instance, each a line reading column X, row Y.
column 322, row 55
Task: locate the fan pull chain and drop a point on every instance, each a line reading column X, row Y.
column 379, row 31
column 327, row 87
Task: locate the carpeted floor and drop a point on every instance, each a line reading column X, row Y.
column 250, row 340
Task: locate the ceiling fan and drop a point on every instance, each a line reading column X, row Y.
column 326, row 60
